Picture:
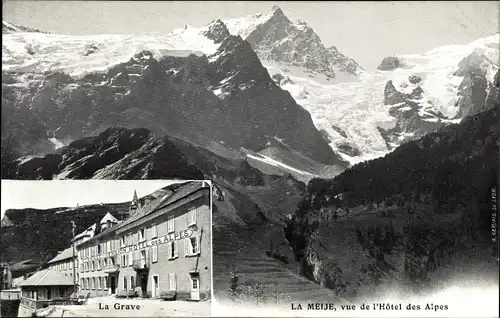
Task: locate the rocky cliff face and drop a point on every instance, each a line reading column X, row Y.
column 411, row 121
column 476, row 93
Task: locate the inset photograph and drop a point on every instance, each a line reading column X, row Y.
column 106, row 248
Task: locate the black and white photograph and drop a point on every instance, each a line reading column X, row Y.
column 351, row 147
column 106, row 248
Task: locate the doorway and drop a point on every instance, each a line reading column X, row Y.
column 156, row 286
column 144, row 285
column 112, row 284
column 195, row 286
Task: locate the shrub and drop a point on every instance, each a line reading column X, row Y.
column 279, row 257
column 168, row 295
column 121, row 294
column 254, row 289
column 132, row 293
column 234, row 287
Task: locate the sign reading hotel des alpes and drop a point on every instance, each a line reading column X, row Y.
column 139, row 246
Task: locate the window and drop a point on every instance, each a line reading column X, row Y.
column 123, row 242
column 170, row 225
column 194, row 282
column 83, row 283
column 173, row 249
column 64, row 265
column 70, row 265
column 124, row 260
column 143, row 257
column 142, row 235
column 192, row 216
column 98, row 282
column 130, row 258
column 108, row 246
column 93, row 282
column 154, row 258
column 154, row 232
column 76, row 263
column 125, row 283
column 98, row 264
column 192, row 246
column 130, row 239
column 105, row 282
column 99, row 249
column 172, row 281
column 88, row 283
column 132, row 282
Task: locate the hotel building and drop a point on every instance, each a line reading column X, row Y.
column 163, row 250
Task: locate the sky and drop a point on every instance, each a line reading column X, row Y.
column 68, row 193
column 366, row 31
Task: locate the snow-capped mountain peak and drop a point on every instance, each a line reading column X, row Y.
column 277, row 39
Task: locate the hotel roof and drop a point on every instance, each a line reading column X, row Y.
column 67, row 253
column 171, row 194
column 48, row 277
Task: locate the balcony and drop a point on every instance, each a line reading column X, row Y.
column 37, row 304
column 111, row 268
column 141, row 264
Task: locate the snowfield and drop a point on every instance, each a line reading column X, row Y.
column 78, row 56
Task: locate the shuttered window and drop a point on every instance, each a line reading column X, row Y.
column 192, row 216
column 154, row 232
column 176, row 249
column 192, row 246
column 130, row 258
column 170, row 225
column 187, row 247
column 172, row 281
column 155, row 254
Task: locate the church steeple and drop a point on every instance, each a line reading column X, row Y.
column 134, row 205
